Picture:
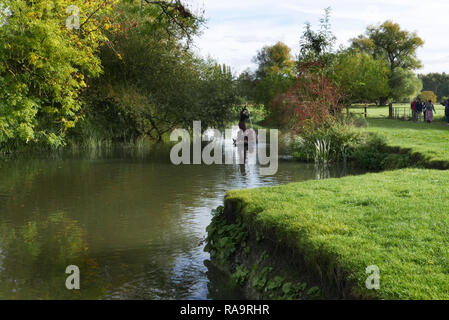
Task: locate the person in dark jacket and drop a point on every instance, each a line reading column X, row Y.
column 446, row 110
column 244, row 115
column 419, row 109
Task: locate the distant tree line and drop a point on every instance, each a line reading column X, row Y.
column 436, row 82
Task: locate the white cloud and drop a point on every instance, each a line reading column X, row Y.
column 237, row 29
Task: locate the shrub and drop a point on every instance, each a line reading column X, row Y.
column 428, row 95
column 309, row 102
column 397, row 161
column 371, row 154
column 332, row 142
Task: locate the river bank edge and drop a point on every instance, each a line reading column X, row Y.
column 265, row 266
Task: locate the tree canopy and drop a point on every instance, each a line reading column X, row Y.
column 158, row 84
column 275, row 73
column 45, row 65
column 275, row 59
column 113, row 68
column 399, row 48
column 362, row 77
column 317, row 45
column 389, row 41
column 404, row 85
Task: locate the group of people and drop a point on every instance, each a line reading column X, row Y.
column 422, row 109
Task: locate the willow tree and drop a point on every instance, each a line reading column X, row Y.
column 275, row 73
column 399, row 48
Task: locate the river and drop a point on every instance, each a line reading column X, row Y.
column 131, row 221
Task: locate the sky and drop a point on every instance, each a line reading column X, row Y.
column 236, row 29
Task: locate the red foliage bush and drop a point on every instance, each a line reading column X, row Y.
column 310, row 101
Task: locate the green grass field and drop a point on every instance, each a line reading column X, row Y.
column 431, row 140
column 382, row 111
column 397, row 220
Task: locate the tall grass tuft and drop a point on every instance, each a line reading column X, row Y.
column 332, row 142
column 322, row 151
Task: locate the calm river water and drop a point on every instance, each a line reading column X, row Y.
column 131, row 221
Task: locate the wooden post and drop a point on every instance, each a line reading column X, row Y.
column 366, row 112
column 390, row 110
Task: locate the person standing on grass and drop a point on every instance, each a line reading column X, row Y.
column 419, row 109
column 429, row 110
column 446, row 110
column 424, row 104
column 413, row 105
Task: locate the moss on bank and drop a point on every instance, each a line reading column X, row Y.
column 334, row 229
column 253, row 262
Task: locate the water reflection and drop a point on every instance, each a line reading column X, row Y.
column 131, row 221
column 34, row 257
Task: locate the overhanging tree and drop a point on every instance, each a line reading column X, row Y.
column 159, row 83
column 44, row 66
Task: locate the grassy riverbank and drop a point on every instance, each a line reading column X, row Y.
column 395, row 220
column 430, row 140
column 324, row 234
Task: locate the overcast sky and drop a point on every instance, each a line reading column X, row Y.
column 236, row 29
